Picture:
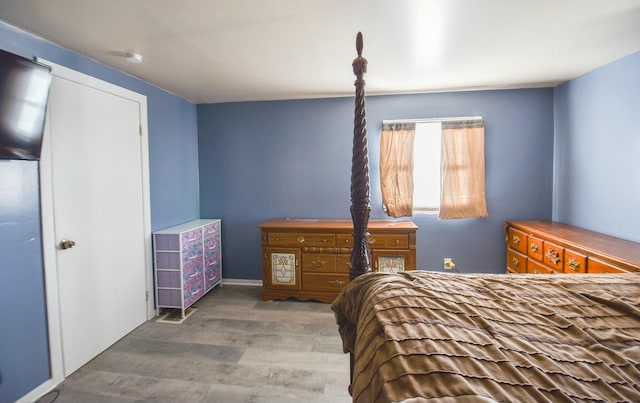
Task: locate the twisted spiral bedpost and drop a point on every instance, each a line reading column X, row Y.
column 360, row 209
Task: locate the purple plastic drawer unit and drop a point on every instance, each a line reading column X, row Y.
column 187, row 261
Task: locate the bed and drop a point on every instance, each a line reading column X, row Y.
column 456, row 338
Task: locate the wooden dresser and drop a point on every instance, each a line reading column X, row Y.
column 310, row 259
column 552, row 247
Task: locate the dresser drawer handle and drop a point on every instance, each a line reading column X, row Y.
column 516, row 239
column 553, row 256
column 194, row 274
column 318, row 263
column 300, row 239
column 372, row 241
column 574, row 264
column 337, row 283
column 515, row 261
column 535, row 248
column 193, row 257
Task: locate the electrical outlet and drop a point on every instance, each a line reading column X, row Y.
column 449, row 264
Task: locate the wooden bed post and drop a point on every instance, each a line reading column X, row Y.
column 360, row 209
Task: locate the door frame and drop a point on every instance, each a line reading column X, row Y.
column 48, row 222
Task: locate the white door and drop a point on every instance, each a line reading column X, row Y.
column 95, row 166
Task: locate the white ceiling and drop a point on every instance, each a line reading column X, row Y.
column 239, row 50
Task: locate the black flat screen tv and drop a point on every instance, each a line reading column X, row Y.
column 24, row 93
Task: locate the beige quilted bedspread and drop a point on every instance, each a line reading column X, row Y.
column 439, row 337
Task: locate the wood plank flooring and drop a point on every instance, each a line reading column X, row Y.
column 234, row 348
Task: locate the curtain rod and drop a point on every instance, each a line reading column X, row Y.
column 431, row 120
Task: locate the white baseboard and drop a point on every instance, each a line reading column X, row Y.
column 240, row 281
column 38, row 392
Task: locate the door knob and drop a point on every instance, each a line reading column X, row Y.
column 67, row 244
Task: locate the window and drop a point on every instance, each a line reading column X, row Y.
column 426, row 168
column 435, row 165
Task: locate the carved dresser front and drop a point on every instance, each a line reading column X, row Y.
column 310, row 259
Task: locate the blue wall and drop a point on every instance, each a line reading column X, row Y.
column 597, row 153
column 173, row 160
column 24, row 353
column 261, row 160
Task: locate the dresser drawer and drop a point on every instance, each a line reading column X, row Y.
column 193, row 288
column 193, row 266
column 325, row 263
column 211, row 232
column 168, row 279
column 388, row 241
column 344, row 240
column 324, row 282
column 316, row 262
column 170, row 298
column 191, row 242
column 322, row 240
column 517, row 240
column 166, row 242
column 191, row 274
column 574, row 262
column 536, row 248
column 300, row 239
column 553, row 256
column 212, row 275
column 285, row 239
column 376, row 240
column 167, row 260
column 534, row 267
column 516, row 262
column 597, row 266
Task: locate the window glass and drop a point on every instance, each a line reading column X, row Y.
column 426, row 168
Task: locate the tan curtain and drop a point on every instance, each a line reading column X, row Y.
column 396, row 169
column 462, row 192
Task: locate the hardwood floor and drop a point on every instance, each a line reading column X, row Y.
column 234, row 348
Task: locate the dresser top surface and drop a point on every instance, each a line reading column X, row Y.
column 626, row 250
column 336, row 224
column 186, row 226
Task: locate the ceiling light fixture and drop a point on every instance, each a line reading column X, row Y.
column 133, row 57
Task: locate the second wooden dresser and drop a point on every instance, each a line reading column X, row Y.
column 552, row 247
column 310, row 259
